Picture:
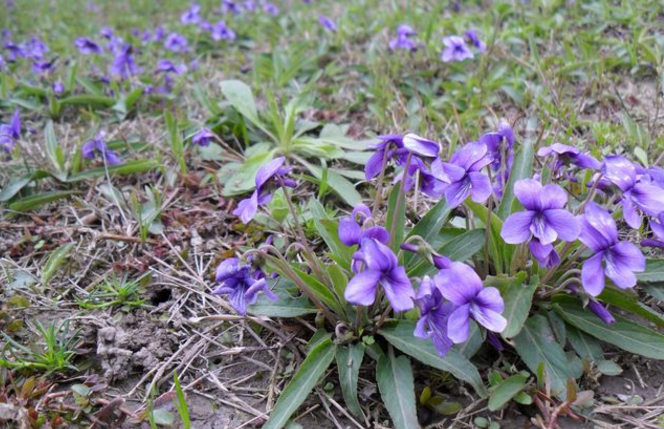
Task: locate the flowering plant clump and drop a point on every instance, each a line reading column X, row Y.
column 505, row 255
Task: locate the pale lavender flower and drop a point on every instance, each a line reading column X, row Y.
column 221, row 32
column 176, row 42
column 58, row 88
column 98, row 147
column 192, row 15
column 404, row 39
column 328, row 24
column 351, row 232
column 271, row 8
column 106, row 32
column 123, row 64
column 455, row 50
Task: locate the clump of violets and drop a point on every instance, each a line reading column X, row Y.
column 455, row 50
column 271, row 175
column 123, row 64
column 97, row 147
column 10, row 133
column 405, row 40
column 241, row 284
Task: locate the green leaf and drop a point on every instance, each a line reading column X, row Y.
column 242, row 99
column 55, row 261
column 54, row 150
column 397, row 388
column 131, row 167
column 430, row 225
column 498, row 250
column 609, row 367
column 518, row 298
column 537, row 345
column 521, row 169
column 628, row 300
column 584, row 345
column 340, row 185
column 163, row 417
column 88, row 100
column 506, row 390
column 303, row 382
column 624, row 334
column 285, row 306
column 328, row 230
column 349, row 359
column 652, row 279
column 396, row 218
column 400, row 335
column 244, row 178
column 15, row 187
column 460, row 248
column 322, row 292
column 34, row 201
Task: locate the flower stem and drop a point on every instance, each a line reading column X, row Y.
column 400, row 199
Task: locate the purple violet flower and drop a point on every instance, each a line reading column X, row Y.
column 87, row 46
column 546, row 254
column 601, row 312
column 475, row 40
column 192, row 15
column 203, row 137
column 393, row 145
column 639, row 195
column 463, row 175
column 461, row 285
column 220, row 31
column 618, row 260
column 35, row 49
column 123, row 64
column 404, row 39
column 455, row 49
column 351, row 233
column 544, row 216
column 249, row 5
column 271, row 8
column 43, row 66
column 566, row 155
column 175, row 42
column 11, row 132
column 421, row 146
column 328, row 24
column 97, row 146
column 167, row 66
column 106, row 32
column 380, row 268
column 500, row 147
column 2, row 63
column 14, row 51
column 228, row 6
column 434, row 316
column 58, row 88
column 271, row 173
column 240, row 285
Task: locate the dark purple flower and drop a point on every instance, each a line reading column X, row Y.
column 11, row 132
column 461, row 285
column 601, row 312
column 123, row 64
column 643, row 196
column 495, row 342
column 271, row 173
column 192, row 15
column 228, row 6
column 97, row 146
column 455, row 49
column 221, row 32
column 203, row 137
column 167, row 66
column 618, row 260
column 351, row 232
column 404, row 39
column 87, row 46
column 463, row 175
column 434, row 316
column 43, row 66
column 176, row 42
column 544, row 216
column 393, row 145
column 475, row 40
column 328, row 24
column 14, row 51
column 380, row 268
column 240, row 285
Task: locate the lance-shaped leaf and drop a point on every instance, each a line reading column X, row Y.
column 397, row 388
column 349, row 359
